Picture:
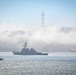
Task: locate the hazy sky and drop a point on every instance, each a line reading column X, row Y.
column 28, row 12
column 20, row 21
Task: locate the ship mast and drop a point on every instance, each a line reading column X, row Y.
column 25, row 45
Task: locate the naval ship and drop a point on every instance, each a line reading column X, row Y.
column 28, row 51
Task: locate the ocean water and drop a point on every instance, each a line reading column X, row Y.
column 38, row 65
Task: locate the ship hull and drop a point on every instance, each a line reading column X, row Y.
column 17, row 53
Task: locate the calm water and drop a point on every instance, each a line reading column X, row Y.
column 38, row 65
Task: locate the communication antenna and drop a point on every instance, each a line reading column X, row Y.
column 43, row 15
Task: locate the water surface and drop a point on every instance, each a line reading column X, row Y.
column 38, row 65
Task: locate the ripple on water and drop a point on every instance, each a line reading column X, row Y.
column 13, row 67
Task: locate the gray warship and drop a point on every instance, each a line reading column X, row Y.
column 28, row 51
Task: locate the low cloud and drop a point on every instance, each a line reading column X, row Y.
column 44, row 39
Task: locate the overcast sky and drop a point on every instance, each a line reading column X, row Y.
column 21, row 20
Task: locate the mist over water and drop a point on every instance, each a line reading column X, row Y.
column 49, row 39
